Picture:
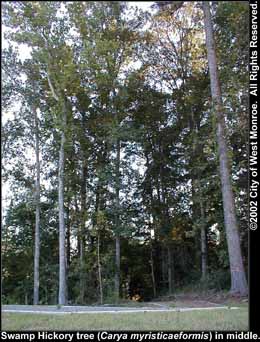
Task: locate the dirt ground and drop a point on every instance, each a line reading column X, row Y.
column 193, row 300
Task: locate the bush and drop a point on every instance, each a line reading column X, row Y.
column 218, row 279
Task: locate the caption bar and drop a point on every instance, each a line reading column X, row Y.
column 129, row 336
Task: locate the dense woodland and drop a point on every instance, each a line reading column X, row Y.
column 124, row 150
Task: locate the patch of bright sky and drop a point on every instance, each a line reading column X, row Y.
column 144, row 5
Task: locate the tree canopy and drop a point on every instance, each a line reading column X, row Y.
column 110, row 152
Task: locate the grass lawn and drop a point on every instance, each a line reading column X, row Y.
column 193, row 320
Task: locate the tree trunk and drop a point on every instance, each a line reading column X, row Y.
column 99, row 270
column 62, row 253
column 152, row 271
column 46, row 294
column 170, row 270
column 117, row 273
column 96, row 225
column 117, row 260
column 68, row 234
column 67, row 248
column 37, row 214
column 238, row 277
column 82, row 234
column 77, row 215
column 203, row 242
column 164, row 266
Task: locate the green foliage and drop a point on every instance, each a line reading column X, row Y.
column 128, row 78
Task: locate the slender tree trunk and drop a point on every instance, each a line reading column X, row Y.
column 68, row 234
column 164, row 266
column 67, row 249
column 117, row 261
column 151, row 227
column 99, row 270
column 117, row 273
column 62, row 252
column 46, row 294
column 203, row 243
column 77, row 224
column 96, row 225
column 37, row 214
column 62, row 231
column 203, row 240
column 238, row 277
column 170, row 270
column 152, row 270
column 82, row 233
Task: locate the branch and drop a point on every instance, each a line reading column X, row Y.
column 52, row 89
column 48, row 73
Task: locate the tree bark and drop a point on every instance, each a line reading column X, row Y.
column 62, row 231
column 68, row 234
column 164, row 265
column 98, row 204
column 37, row 214
column 203, row 240
column 68, row 245
column 77, row 215
column 152, row 271
column 99, row 270
column 82, row 233
column 117, row 260
column 238, row 277
column 62, row 253
column 117, row 273
column 203, row 244
column 170, row 270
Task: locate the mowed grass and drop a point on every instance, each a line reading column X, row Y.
column 225, row 319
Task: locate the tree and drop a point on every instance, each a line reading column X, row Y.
column 107, row 46
column 130, row 201
column 37, row 212
column 238, row 277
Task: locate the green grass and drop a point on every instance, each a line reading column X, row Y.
column 193, row 320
